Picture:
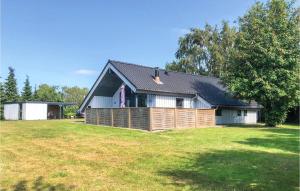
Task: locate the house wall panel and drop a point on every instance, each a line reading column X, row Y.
column 151, row 100
column 101, row 102
column 116, row 99
column 230, row 116
column 251, row 117
column 200, row 103
column 170, row 101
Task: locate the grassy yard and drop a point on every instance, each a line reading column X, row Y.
column 69, row 155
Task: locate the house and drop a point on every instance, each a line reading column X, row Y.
column 34, row 110
column 126, row 85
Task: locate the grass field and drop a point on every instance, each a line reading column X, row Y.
column 69, row 155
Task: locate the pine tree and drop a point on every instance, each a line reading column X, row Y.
column 27, row 91
column 2, row 99
column 35, row 96
column 11, row 91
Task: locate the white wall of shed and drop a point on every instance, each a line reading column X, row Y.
column 34, row 111
column 230, row 116
column 11, row 111
column 101, row 102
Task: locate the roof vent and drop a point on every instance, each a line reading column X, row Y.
column 156, row 76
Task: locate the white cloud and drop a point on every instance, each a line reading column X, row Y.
column 85, row 72
column 180, row 31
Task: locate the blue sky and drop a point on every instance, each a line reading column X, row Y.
column 67, row 42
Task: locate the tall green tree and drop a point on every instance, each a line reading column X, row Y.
column 11, row 91
column 228, row 36
column 27, row 91
column 34, row 95
column 265, row 64
column 48, row 93
column 204, row 51
column 75, row 95
column 2, row 99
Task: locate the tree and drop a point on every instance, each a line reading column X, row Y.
column 27, row 91
column 73, row 94
column 2, row 99
column 265, row 64
column 11, row 91
column 228, row 36
column 34, row 95
column 204, row 51
column 48, row 93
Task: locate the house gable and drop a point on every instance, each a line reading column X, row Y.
column 91, row 93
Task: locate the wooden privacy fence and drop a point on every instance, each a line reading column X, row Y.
column 151, row 118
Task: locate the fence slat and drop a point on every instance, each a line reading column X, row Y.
column 151, row 118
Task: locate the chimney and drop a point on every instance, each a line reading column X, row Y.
column 156, row 76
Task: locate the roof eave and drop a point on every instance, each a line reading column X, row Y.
column 237, row 107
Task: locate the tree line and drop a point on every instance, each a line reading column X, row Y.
column 257, row 60
column 44, row 92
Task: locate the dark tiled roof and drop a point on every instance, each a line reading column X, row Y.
column 209, row 88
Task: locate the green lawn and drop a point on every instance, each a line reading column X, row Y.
column 69, row 155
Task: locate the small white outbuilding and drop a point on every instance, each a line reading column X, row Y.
column 34, row 110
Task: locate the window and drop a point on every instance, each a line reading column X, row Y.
column 239, row 113
column 245, row 112
column 179, row 102
column 219, row 112
column 142, row 100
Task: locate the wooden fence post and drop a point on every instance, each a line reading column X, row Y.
column 112, row 117
column 150, row 119
column 129, row 117
column 175, row 118
column 97, row 116
column 196, row 115
column 85, row 114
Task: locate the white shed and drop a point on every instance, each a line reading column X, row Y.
column 34, row 110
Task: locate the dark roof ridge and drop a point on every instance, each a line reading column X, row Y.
column 121, row 62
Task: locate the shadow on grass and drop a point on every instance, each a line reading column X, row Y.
column 284, row 139
column 236, row 170
column 283, row 131
column 243, row 169
column 39, row 185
